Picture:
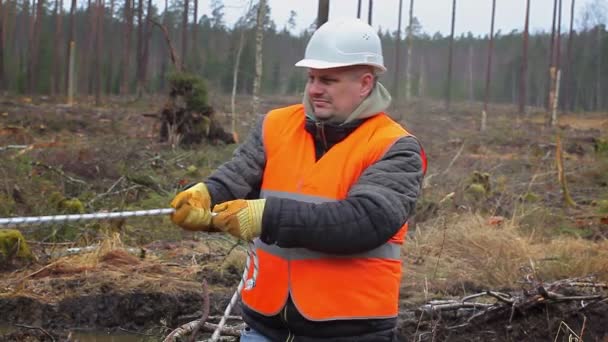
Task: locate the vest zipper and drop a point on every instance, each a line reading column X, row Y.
column 321, row 134
column 290, row 337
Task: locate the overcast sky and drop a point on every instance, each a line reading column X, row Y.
column 434, row 15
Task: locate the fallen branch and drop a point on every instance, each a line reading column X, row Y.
column 60, row 172
column 206, row 327
column 36, row 328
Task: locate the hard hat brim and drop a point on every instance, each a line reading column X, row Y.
column 317, row 64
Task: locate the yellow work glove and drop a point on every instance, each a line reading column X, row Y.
column 241, row 218
column 193, row 208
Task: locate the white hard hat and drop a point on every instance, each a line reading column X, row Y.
column 343, row 42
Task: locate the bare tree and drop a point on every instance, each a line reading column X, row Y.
column 410, row 48
column 99, row 15
column 126, row 57
column 90, row 54
column 450, row 53
column 370, row 10
column 185, row 33
column 195, row 29
column 598, row 68
column 523, row 78
column 259, row 40
column 110, row 51
column 235, row 73
column 555, row 71
column 322, row 12
column 140, row 46
column 398, row 52
column 488, row 70
column 551, row 58
column 71, row 36
column 56, row 73
column 470, row 78
column 32, row 69
column 359, row 9
column 2, row 23
column 568, row 76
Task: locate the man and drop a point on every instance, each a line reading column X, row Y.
column 324, row 189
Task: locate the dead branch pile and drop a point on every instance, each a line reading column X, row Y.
column 492, row 308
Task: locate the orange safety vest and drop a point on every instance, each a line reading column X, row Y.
column 324, row 286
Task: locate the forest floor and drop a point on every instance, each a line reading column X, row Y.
column 493, row 252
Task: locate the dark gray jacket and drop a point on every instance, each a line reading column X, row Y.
column 376, row 207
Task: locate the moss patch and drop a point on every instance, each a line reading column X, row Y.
column 13, row 246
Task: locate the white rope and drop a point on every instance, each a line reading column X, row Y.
column 30, row 220
column 248, row 284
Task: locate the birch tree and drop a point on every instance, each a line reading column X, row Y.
column 410, row 48
column 448, row 85
column 488, row 70
column 259, row 40
column 397, row 52
column 568, row 77
column 523, row 78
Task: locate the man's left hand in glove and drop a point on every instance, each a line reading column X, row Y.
column 241, row 218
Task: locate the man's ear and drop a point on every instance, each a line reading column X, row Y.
column 367, row 84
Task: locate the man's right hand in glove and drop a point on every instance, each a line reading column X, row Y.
column 193, row 208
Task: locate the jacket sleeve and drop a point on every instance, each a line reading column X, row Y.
column 241, row 176
column 376, row 207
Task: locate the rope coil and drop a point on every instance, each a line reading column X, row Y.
column 246, row 283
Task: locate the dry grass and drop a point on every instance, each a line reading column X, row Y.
column 446, row 253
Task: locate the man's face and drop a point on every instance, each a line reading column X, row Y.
column 335, row 93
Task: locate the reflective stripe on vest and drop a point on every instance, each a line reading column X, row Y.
column 324, row 286
column 386, row 251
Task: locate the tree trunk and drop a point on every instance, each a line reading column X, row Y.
column 195, row 32
column 32, row 71
column 110, row 58
column 484, row 113
column 146, row 53
column 568, row 77
column 598, row 72
column 450, row 52
column 259, row 40
column 185, row 33
column 422, row 79
column 551, row 59
column 139, row 52
column 174, row 59
column 90, row 54
column 370, row 11
column 99, row 50
column 410, row 48
column 126, row 56
column 523, row 78
column 322, row 12
column 551, row 117
column 71, row 36
column 470, row 74
column 359, row 9
column 235, row 79
column 56, row 72
column 398, row 52
column 2, row 23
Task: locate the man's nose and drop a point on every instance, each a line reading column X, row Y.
column 315, row 88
